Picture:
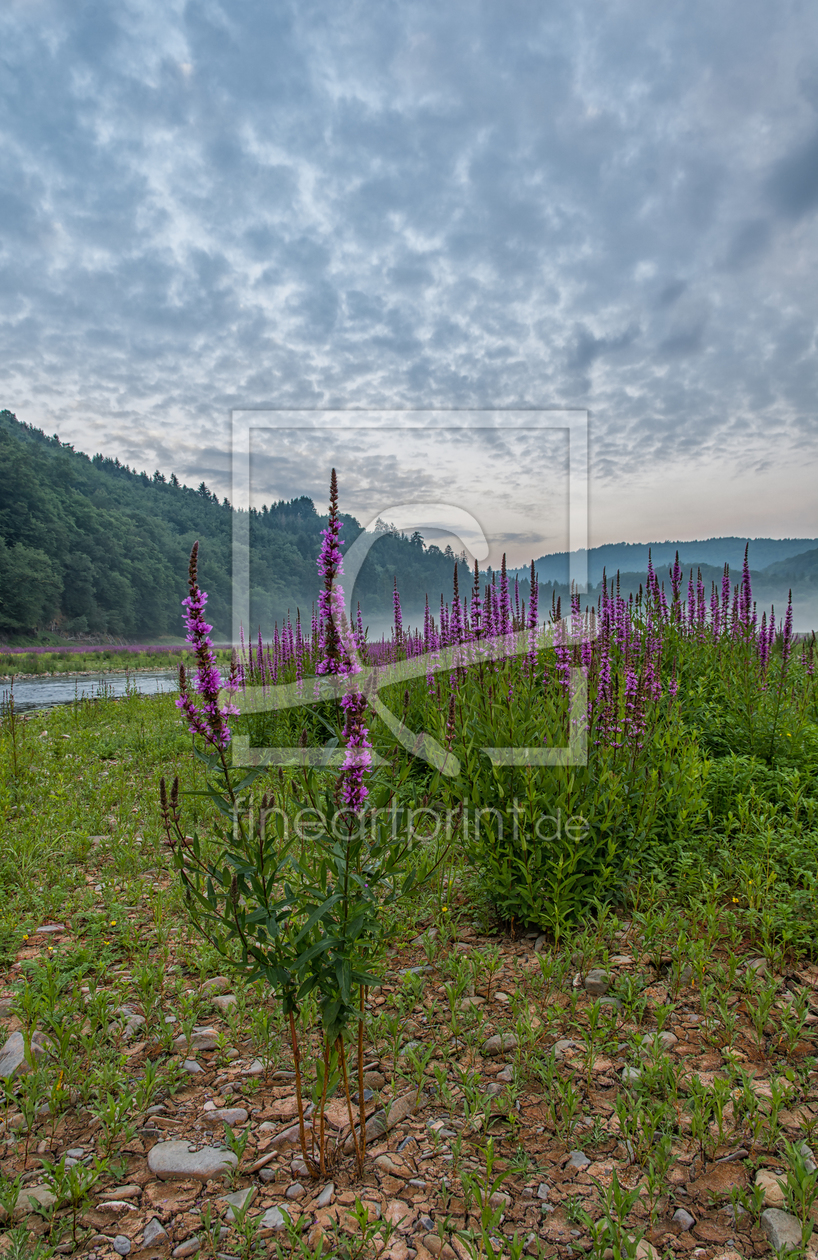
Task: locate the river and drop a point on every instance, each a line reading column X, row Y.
column 44, row 693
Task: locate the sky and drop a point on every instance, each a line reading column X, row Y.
column 211, row 206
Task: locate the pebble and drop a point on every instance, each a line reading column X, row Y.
column 200, row 1039
column 540, row 944
column 773, row 1188
column 267, row 1175
column 216, row 984
column 597, row 983
column 29, row 1199
column 499, row 1200
column 191, row 1066
column 225, row 1002
column 561, row 1046
column 683, row 1219
column 238, row 1199
column 13, row 1057
column 426, row 1222
column 542, row 1191
column 499, row 1044
column 187, row 1248
column 175, row 1161
column 506, row 1074
column 154, row 1233
column 273, row 1218
column 122, row 1245
column 226, row 1115
column 631, row 1074
column 578, row 1159
column 295, row 1191
column 783, row 1230
column 115, row 1206
column 387, row 1165
column 325, row 1197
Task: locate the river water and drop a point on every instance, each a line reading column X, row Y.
column 44, row 693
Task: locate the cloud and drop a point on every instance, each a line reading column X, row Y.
column 207, row 205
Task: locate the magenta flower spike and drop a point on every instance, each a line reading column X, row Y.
column 209, row 721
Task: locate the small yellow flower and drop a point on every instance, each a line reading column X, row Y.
column 25, row 936
column 113, row 922
column 106, row 942
column 444, row 909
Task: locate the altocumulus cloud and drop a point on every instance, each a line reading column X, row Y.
column 209, row 205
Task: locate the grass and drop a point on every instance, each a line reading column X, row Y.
column 690, row 1075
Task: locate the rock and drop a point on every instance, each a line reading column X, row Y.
column 499, row 1044
column 187, row 1248
column 226, row 1115
column 387, row 1165
column 809, row 1157
column 561, row 1046
column 666, row 1040
column 121, row 1192
column 295, row 1191
column 325, row 1197
column 470, row 1003
column 399, row 1214
column 191, row 1066
column 382, row 1121
column 13, row 1055
column 273, row 1218
column 630, row 1075
column 436, row 1247
column 506, row 1075
column 783, row 1230
column 773, row 1188
column 122, row 1245
column 578, row 1159
column 597, row 983
column 116, row 1207
column 428, row 935
column 758, row 965
column 200, row 1039
column 683, row 1219
column 256, row 1068
column 500, row 1200
column 216, row 984
column 154, row 1234
column 176, row 1161
column 238, row 1199
column 30, row 1198
column 540, row 944
column 225, row 1002
column 542, row 1191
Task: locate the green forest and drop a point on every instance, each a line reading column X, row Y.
column 91, row 546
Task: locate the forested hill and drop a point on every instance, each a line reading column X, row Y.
column 90, row 545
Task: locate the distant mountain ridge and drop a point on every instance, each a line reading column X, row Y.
column 765, row 555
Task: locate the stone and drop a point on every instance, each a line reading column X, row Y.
column 216, row 984
column 428, row 935
column 176, row 1161
column 666, row 1040
column 225, row 1002
column 200, row 1039
column 388, row 1165
column 630, row 1075
column 382, row 1121
column 559, row 1048
column 191, row 1066
column 226, row 1115
column 758, row 965
column 399, row 1213
column 773, row 1188
column 295, row 1191
column 542, row 1191
column 597, row 983
column 783, row 1230
column 435, row 1245
column 154, row 1234
column 578, row 1159
column 540, row 944
column 6, row 1006
column 187, row 1248
column 13, row 1054
column 238, row 1199
column 115, row 1207
column 506, row 1074
column 273, row 1218
column 122, row 1245
column 32, row 1197
column 499, row 1044
column 325, row 1197
column 500, row 1200
column 121, row 1192
column 683, row 1219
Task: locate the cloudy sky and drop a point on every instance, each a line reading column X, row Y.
column 216, row 205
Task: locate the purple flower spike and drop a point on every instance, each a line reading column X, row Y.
column 211, row 720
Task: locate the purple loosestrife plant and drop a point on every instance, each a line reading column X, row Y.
column 210, row 720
